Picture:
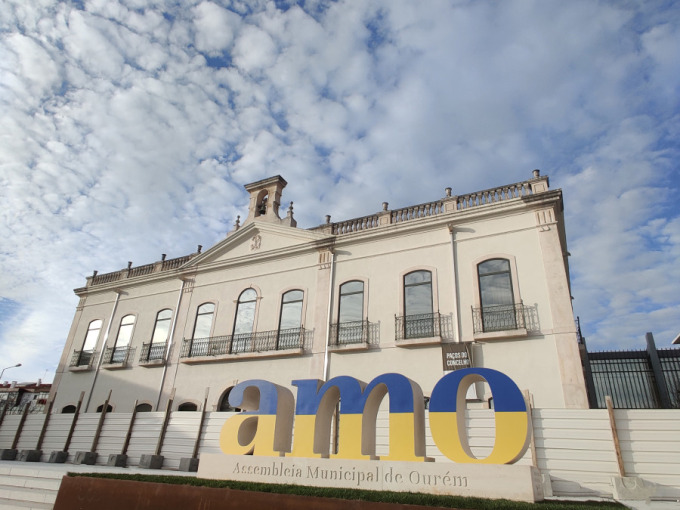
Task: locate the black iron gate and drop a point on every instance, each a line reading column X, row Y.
column 648, row 379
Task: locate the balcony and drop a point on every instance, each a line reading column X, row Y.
column 82, row 361
column 274, row 343
column 504, row 321
column 118, row 357
column 353, row 336
column 420, row 329
column 153, row 354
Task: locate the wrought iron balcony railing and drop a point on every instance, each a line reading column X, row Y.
column 504, row 318
column 83, row 359
column 118, row 355
column 261, row 341
column 152, row 352
column 424, row 325
column 345, row 333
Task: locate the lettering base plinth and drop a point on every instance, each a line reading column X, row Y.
column 518, row 483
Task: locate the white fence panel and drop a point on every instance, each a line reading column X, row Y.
column 180, row 437
column 144, row 436
column 576, row 449
column 112, row 435
column 650, row 446
column 56, row 434
column 86, row 426
column 31, row 432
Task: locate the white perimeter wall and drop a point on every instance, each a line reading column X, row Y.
column 575, row 448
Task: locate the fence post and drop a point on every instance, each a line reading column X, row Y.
column 588, row 374
column 615, row 435
column 659, row 379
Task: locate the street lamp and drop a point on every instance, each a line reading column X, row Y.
column 3, row 370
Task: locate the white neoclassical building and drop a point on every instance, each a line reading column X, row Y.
column 481, row 278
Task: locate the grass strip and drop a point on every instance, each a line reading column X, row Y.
column 404, row 498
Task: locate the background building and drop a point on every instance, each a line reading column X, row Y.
column 483, row 277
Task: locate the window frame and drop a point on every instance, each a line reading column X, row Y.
column 301, row 322
column 115, row 347
column 224, row 396
column 186, row 403
column 155, row 326
column 361, row 324
column 516, row 296
column 240, row 340
column 84, row 343
column 212, row 320
column 434, row 306
column 514, row 280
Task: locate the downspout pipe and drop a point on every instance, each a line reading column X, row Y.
column 326, row 355
column 456, row 297
column 170, row 337
column 101, row 354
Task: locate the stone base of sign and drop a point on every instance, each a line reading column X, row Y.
column 188, row 464
column 149, row 461
column 30, row 455
column 58, row 457
column 87, row 458
column 8, row 454
column 518, row 483
column 117, row 460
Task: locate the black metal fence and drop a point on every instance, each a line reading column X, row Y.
column 504, row 318
column 345, row 333
column 152, row 351
column 422, row 325
column 641, row 379
column 118, row 355
column 82, row 358
column 260, row 341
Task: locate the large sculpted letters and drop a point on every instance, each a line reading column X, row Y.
column 447, row 416
column 358, row 411
column 265, row 427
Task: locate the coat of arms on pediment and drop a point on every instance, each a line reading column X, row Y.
column 255, row 242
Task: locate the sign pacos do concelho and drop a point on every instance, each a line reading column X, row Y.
column 272, row 423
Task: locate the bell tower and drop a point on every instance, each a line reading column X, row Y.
column 265, row 200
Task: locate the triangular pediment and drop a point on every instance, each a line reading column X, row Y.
column 257, row 239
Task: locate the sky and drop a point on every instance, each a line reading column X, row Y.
column 129, row 127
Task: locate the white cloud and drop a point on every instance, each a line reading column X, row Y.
column 215, row 27
column 120, row 141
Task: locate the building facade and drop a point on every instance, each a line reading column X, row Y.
column 484, row 276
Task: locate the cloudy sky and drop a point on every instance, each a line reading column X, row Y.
column 128, row 128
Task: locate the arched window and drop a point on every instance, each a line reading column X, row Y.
column 162, row 327
column 143, row 408
column 187, row 406
column 108, row 408
column 90, row 342
column 204, row 318
column 120, row 348
column 202, row 329
column 244, row 321
column 290, row 320
column 160, row 335
column 496, row 296
column 418, row 309
column 351, row 313
column 69, row 409
column 223, row 405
